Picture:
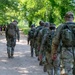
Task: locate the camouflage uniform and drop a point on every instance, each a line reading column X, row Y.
column 11, row 42
column 35, row 43
column 36, row 39
column 49, row 64
column 36, row 36
column 31, row 39
column 66, row 52
column 42, row 32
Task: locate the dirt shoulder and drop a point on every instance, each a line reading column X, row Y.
column 22, row 63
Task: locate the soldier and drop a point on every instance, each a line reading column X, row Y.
column 46, row 44
column 41, row 25
column 67, row 47
column 11, row 33
column 42, row 32
column 31, row 38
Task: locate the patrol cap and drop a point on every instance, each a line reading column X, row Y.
column 69, row 14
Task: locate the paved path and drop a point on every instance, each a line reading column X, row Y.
column 22, row 63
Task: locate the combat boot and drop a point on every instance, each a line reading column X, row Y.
column 8, row 52
column 31, row 51
column 45, row 68
column 12, row 56
column 41, row 63
column 12, row 52
column 9, row 55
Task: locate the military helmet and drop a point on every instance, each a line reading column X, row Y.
column 32, row 25
column 69, row 14
column 15, row 21
column 47, row 24
column 52, row 26
column 41, row 23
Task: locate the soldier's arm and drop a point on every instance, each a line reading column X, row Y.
column 44, row 40
column 17, row 32
column 56, row 41
column 28, row 38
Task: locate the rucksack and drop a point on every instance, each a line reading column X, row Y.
column 68, row 34
column 49, row 39
column 31, row 33
column 11, row 30
column 37, row 30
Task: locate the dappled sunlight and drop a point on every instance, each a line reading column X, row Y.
column 22, row 42
column 21, row 54
column 4, row 68
column 3, row 60
column 28, row 70
column 3, row 40
column 22, row 70
column 22, row 63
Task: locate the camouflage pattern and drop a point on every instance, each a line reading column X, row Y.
column 47, row 50
column 42, row 49
column 36, row 38
column 66, row 52
column 31, row 40
column 11, row 42
column 42, row 32
column 67, row 60
column 52, row 67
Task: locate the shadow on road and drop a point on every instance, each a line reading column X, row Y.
column 22, row 63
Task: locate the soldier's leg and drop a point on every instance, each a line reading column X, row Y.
column 50, row 69
column 35, row 47
column 74, row 62
column 31, row 51
column 40, row 57
column 56, row 64
column 13, row 44
column 8, row 51
column 49, row 66
column 67, row 67
column 12, row 52
column 67, row 60
column 44, row 61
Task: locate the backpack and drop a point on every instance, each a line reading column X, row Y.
column 49, row 39
column 11, row 30
column 31, row 33
column 68, row 34
column 37, row 30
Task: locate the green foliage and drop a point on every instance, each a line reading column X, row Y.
column 25, row 31
column 34, row 10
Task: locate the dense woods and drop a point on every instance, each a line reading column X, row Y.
column 31, row 11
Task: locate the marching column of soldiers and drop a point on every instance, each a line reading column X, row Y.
column 54, row 47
